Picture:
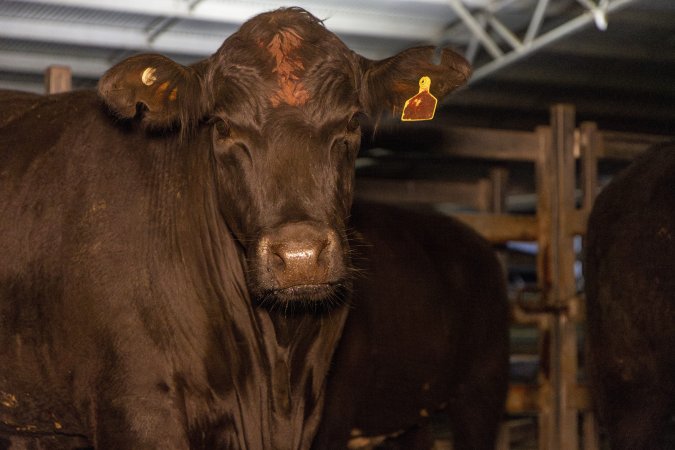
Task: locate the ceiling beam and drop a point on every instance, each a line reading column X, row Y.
column 402, row 20
column 118, row 38
column 547, row 38
column 26, row 86
column 114, row 37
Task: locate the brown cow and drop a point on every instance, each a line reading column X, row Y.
column 630, row 291
column 173, row 255
column 427, row 334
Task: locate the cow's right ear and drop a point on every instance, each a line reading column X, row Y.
column 163, row 91
column 387, row 84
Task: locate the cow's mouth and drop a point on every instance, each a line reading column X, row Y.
column 305, row 292
column 314, row 297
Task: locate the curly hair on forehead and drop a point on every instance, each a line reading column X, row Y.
column 292, row 17
column 289, row 68
column 284, row 44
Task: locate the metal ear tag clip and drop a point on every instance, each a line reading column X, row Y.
column 422, row 106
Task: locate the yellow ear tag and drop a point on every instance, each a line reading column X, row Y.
column 422, row 106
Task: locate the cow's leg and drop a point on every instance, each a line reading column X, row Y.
column 140, row 421
column 140, row 424
column 140, row 406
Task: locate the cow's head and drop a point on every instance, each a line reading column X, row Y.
column 281, row 99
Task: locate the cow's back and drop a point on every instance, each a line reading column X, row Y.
column 630, row 288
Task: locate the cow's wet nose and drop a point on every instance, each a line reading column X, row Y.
column 300, row 254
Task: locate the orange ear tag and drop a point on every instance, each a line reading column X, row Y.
column 422, row 106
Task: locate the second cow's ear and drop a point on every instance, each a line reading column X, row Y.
column 164, row 92
column 387, row 84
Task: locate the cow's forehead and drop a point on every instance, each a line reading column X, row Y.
column 286, row 58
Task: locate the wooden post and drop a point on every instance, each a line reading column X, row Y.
column 590, row 148
column 545, row 423
column 58, row 79
column 556, row 213
column 499, row 177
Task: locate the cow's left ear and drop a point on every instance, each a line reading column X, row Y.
column 387, row 84
column 167, row 93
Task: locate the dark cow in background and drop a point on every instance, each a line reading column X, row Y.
column 630, row 290
column 428, row 331
column 173, row 252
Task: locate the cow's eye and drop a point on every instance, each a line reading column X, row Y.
column 223, row 128
column 354, row 123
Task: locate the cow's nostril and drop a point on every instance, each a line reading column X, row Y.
column 323, row 252
column 277, row 262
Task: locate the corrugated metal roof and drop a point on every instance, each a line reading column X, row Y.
column 90, row 35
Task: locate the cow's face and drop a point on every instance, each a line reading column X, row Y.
column 282, row 100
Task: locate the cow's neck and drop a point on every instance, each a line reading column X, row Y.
column 299, row 349
column 282, row 361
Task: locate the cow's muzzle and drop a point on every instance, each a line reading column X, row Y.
column 300, row 261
